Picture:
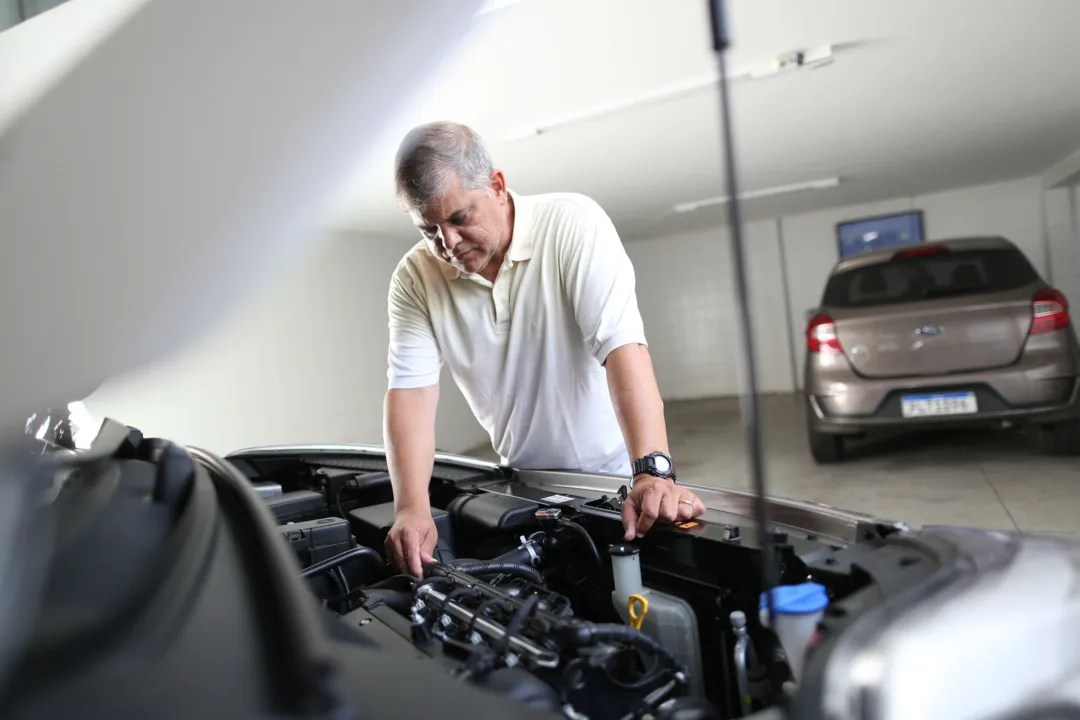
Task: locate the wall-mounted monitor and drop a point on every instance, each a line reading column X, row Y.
column 874, row 233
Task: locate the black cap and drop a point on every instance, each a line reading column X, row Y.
column 623, row 549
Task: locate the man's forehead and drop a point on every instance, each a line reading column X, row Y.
column 443, row 207
column 438, row 211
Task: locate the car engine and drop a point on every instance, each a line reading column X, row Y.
column 530, row 622
column 535, row 595
column 513, row 635
column 262, row 579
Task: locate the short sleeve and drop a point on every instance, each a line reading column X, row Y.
column 414, row 359
column 598, row 278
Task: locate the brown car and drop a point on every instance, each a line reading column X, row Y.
column 960, row 331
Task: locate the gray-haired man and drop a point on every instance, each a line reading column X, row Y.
column 530, row 301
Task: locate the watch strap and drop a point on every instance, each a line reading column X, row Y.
column 656, row 464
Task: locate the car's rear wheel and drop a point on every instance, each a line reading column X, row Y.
column 1061, row 438
column 826, row 448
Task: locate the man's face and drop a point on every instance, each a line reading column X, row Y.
column 466, row 228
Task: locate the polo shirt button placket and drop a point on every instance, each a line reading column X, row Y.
column 501, row 292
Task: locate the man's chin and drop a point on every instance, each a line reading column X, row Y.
column 471, row 265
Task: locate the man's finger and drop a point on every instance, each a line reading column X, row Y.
column 629, row 520
column 427, row 549
column 428, row 541
column 393, row 545
column 689, row 506
column 411, row 542
column 648, row 509
column 669, row 507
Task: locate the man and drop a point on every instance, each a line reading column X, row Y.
column 530, row 301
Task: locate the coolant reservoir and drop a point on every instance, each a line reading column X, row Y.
column 669, row 619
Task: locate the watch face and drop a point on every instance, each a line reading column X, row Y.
column 662, row 463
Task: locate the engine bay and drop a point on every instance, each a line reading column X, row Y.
column 263, row 578
column 536, row 596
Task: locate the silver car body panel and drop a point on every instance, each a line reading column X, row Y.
column 997, row 639
column 347, row 449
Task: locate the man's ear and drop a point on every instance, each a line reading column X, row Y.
column 498, row 184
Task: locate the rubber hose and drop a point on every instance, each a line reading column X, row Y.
column 589, row 633
column 333, row 562
column 518, row 556
column 517, row 623
column 584, row 534
column 502, row 568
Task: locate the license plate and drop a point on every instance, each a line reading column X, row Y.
column 939, row 404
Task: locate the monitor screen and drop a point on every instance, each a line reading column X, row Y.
column 868, row 234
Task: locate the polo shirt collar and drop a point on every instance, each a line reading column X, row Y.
column 521, row 242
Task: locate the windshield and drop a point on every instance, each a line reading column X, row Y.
column 928, row 277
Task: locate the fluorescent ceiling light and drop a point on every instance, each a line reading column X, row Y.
column 781, row 64
column 823, row 184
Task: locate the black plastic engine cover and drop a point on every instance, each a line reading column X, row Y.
column 524, row 687
column 297, row 506
column 488, row 512
column 371, row 525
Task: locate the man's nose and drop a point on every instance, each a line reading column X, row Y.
column 450, row 239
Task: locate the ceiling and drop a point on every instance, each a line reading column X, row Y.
column 922, row 95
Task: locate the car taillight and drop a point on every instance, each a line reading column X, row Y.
column 821, row 335
column 1049, row 311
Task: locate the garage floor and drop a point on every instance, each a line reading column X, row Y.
column 991, row 479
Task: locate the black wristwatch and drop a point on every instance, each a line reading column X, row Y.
column 657, row 464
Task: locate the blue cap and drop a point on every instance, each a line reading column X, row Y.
column 803, row 599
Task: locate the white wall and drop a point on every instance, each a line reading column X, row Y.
column 685, row 292
column 700, row 296
column 1062, row 211
column 302, row 363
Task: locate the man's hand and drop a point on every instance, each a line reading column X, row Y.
column 656, row 499
column 412, row 540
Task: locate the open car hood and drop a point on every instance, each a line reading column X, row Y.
column 723, row 506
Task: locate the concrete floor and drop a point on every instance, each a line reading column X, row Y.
column 991, row 479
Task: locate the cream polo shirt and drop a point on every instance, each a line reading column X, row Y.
column 528, row 350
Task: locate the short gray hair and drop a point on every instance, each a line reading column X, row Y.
column 431, row 153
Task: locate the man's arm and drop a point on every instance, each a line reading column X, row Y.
column 409, row 421
column 409, row 435
column 635, row 396
column 599, row 279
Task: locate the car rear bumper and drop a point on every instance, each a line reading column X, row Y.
column 1022, row 393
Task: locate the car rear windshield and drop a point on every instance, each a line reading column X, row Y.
column 930, row 276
